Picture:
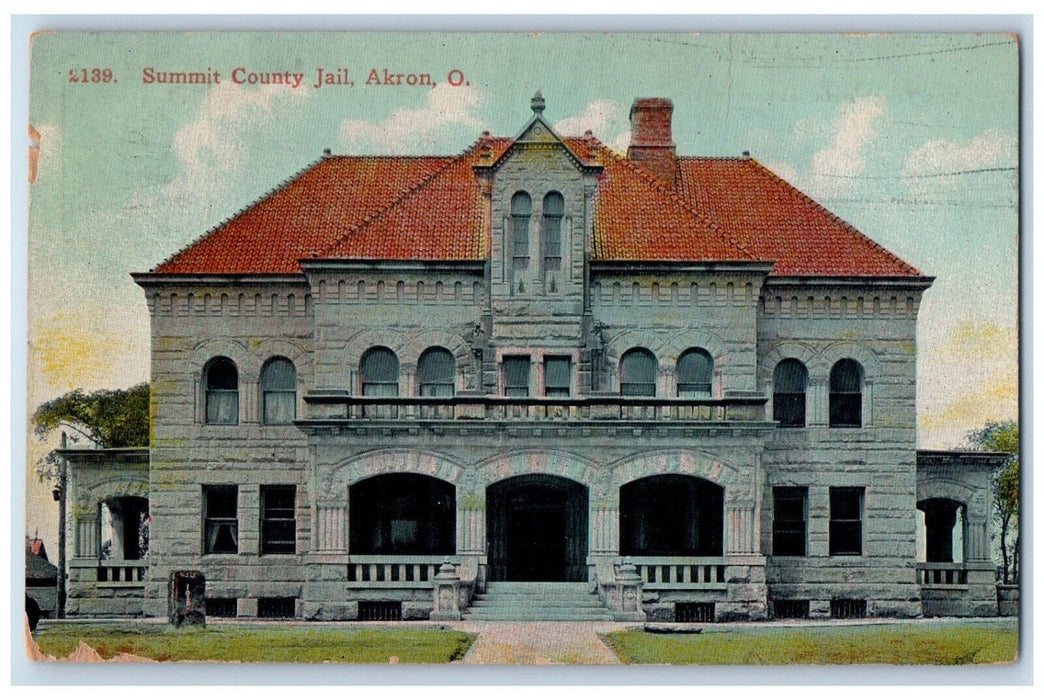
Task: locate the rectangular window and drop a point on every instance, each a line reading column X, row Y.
column 516, row 376
column 278, row 520
column 519, row 242
column 846, row 521
column 557, row 371
column 552, row 243
column 221, row 607
column 789, row 516
column 276, row 608
column 220, row 520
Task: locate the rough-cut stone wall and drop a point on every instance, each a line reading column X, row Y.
column 248, row 323
column 875, row 326
column 669, row 314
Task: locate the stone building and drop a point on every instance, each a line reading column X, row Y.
column 539, row 379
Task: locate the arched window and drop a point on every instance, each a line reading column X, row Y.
column 789, row 382
column 695, row 369
column 380, row 373
column 638, row 373
column 554, row 209
column 278, row 392
column 437, row 371
column 521, row 209
column 846, row 394
column 222, row 382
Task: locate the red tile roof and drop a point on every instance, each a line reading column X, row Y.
column 304, row 216
column 431, row 208
column 778, row 222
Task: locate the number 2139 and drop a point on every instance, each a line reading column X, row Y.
column 91, row 75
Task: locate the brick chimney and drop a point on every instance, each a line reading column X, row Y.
column 651, row 144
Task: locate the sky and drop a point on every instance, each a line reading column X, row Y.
column 913, row 139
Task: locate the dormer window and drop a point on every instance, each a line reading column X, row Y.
column 521, row 210
column 554, row 209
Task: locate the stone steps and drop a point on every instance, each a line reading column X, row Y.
column 531, row 601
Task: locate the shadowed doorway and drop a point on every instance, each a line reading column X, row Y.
column 537, row 529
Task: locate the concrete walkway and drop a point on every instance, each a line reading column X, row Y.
column 539, row 642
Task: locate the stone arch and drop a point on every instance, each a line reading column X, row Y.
column 335, row 481
column 974, row 499
column 417, row 343
column 248, row 363
column 618, row 344
column 115, row 487
column 688, row 462
column 785, row 350
column 280, row 347
column 819, row 369
column 677, row 344
column 537, row 461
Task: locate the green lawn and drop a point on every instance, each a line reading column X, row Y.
column 263, row 643
column 931, row 643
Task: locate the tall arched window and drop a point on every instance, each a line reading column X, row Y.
column 695, row 370
column 789, row 382
column 521, row 210
column 437, row 372
column 554, row 209
column 638, row 373
column 379, row 371
column 278, row 392
column 222, row 382
column 846, row 394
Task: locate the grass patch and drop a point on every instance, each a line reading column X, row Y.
column 261, row 643
column 942, row 644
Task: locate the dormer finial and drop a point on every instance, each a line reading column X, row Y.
column 537, row 103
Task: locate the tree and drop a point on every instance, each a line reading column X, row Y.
column 1004, row 437
column 107, row 418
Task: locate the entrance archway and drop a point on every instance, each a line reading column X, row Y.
column 671, row 515
column 536, row 528
column 402, row 514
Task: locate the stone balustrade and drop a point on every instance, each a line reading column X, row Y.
column 340, row 406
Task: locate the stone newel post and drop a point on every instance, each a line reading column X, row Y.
column 450, row 594
column 623, row 595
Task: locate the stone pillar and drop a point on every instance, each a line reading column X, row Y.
column 818, row 403
column 450, row 595
column 604, row 538
column 740, row 529
column 86, row 537
column 331, row 527
column 623, row 594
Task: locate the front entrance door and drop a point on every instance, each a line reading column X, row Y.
column 537, row 529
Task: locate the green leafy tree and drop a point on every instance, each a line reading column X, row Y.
column 107, row 418
column 1004, row 437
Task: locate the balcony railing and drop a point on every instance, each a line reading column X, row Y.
column 393, row 571
column 661, row 573
column 941, row 574
column 112, row 573
column 341, row 406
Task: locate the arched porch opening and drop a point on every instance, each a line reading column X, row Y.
column 537, row 529
column 407, row 514
column 124, row 524
column 941, row 526
column 671, row 515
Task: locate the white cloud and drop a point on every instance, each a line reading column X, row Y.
column 990, row 149
column 852, row 131
column 405, row 128
column 210, row 146
column 834, row 170
column 605, row 118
